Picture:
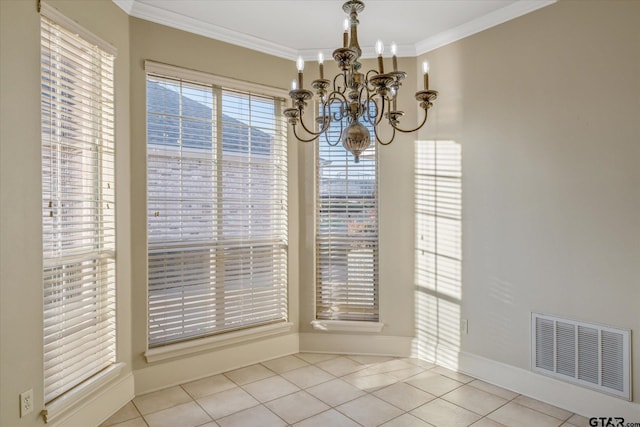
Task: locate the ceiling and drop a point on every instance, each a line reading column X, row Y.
column 288, row 28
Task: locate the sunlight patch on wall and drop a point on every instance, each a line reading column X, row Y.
column 438, row 250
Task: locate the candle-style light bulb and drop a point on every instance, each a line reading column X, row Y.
column 345, row 35
column 425, row 70
column 300, row 67
column 394, row 52
column 379, row 50
column 321, row 65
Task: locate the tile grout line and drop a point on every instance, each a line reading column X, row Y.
column 473, row 412
column 335, row 407
column 144, row 420
column 366, row 392
column 540, row 412
column 199, row 405
column 283, row 420
column 300, row 389
column 491, row 412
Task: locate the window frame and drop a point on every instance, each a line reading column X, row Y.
column 70, row 115
column 205, row 341
column 369, row 320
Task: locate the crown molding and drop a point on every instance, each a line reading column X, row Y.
column 126, row 5
column 158, row 15
column 489, row 20
column 175, row 20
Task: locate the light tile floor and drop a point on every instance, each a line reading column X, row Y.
column 330, row 390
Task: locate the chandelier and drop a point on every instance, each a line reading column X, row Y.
column 353, row 97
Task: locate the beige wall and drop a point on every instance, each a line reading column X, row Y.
column 20, row 194
column 547, row 109
column 158, row 43
column 20, row 210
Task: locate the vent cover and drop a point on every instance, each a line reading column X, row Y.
column 586, row 354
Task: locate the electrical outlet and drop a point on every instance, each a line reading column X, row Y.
column 26, row 403
column 464, row 326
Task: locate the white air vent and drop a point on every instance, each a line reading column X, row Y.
column 587, row 354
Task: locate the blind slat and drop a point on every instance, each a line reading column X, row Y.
column 217, row 206
column 346, row 232
column 77, row 116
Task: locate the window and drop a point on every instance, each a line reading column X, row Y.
column 217, row 209
column 346, row 232
column 78, row 223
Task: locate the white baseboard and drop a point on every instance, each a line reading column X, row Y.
column 100, row 406
column 576, row 399
column 187, row 348
column 177, row 371
column 579, row 400
column 168, row 373
column 378, row 345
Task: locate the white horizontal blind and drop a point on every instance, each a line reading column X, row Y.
column 77, row 113
column 217, row 210
column 346, row 231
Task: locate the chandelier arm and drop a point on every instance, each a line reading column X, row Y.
column 302, row 139
column 326, row 138
column 335, row 95
column 370, row 100
column 325, row 126
column 393, row 135
column 366, row 114
column 326, row 112
column 335, row 82
column 323, row 105
column 341, row 99
column 368, row 117
column 424, row 120
column 379, row 118
column 367, row 79
column 326, row 107
column 363, row 103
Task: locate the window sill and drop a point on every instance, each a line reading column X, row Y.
column 67, row 401
column 346, row 326
column 203, row 344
